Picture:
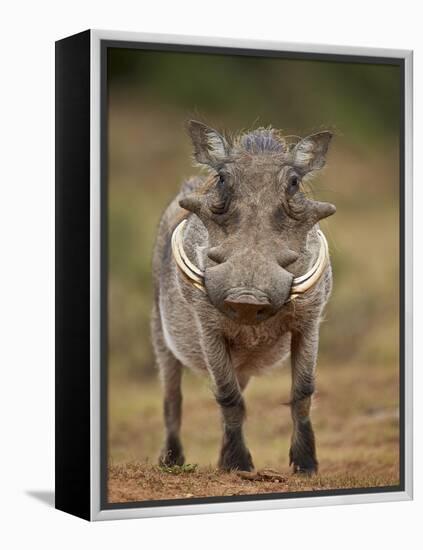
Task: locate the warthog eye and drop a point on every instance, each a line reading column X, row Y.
column 221, row 202
column 293, row 185
column 219, row 208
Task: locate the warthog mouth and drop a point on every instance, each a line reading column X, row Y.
column 195, row 276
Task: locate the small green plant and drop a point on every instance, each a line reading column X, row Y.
column 177, row 470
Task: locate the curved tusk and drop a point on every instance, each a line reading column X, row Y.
column 309, row 279
column 191, row 271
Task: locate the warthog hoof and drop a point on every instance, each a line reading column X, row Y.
column 172, row 453
column 305, row 465
column 235, row 458
column 302, row 470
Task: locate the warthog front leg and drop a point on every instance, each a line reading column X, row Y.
column 234, row 454
column 304, row 346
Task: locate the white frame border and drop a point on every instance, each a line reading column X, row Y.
column 184, row 509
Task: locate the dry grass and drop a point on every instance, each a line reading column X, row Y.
column 355, row 417
column 137, row 481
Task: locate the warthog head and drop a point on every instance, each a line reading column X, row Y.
column 256, row 215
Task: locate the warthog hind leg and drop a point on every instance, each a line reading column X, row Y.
column 171, row 374
column 172, row 453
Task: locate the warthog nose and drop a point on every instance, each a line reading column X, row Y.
column 247, row 308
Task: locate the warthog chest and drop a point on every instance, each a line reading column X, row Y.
column 253, row 337
column 257, row 348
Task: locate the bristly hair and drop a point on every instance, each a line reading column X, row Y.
column 262, row 140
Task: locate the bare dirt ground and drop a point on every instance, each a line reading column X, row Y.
column 355, row 417
column 137, row 481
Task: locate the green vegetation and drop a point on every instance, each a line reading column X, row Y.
column 178, row 470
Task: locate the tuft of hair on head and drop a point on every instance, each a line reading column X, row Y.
column 262, row 140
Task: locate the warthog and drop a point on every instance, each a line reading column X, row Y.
column 242, row 274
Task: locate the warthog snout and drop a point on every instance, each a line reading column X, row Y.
column 248, row 290
column 248, row 307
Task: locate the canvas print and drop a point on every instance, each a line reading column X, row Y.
column 253, row 276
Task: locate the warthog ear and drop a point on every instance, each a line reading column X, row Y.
column 209, row 146
column 310, row 153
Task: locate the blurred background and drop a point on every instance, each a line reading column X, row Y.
column 151, row 95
